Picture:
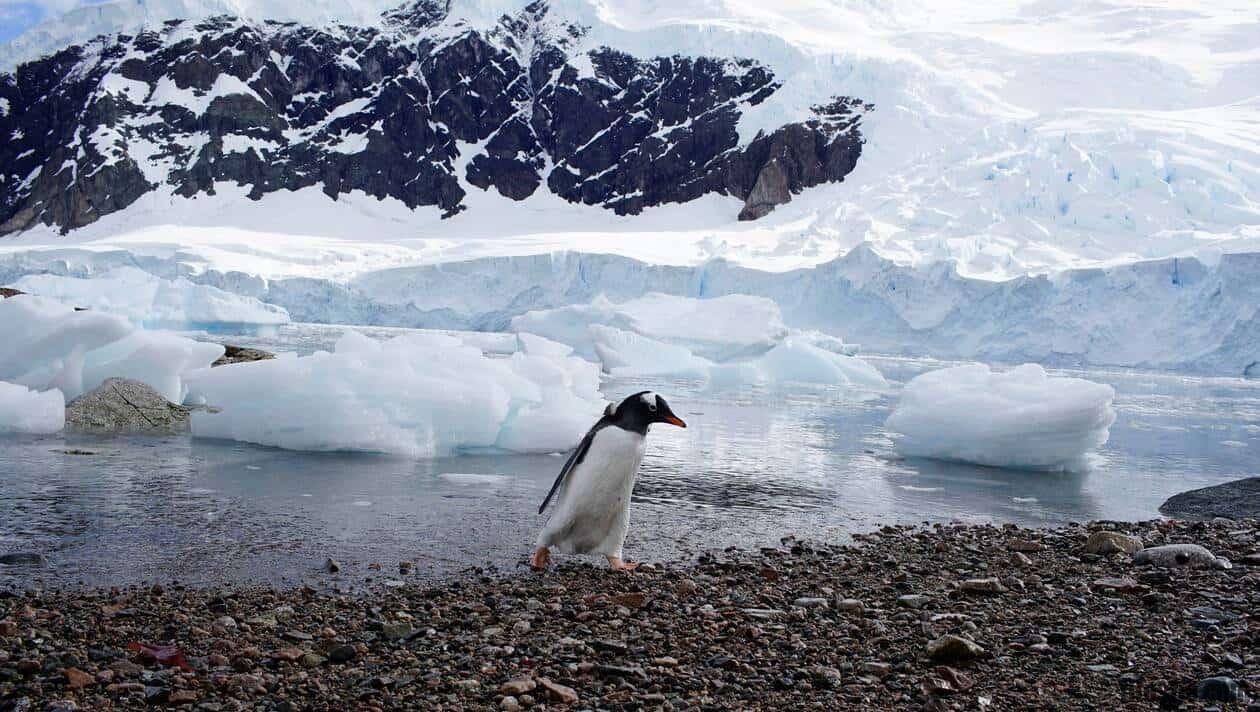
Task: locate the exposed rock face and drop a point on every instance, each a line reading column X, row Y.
column 1233, row 500
column 422, row 109
column 241, row 354
column 122, row 405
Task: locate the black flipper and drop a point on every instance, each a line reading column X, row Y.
column 575, row 459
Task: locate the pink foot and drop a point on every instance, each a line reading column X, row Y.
column 540, row 559
column 617, row 564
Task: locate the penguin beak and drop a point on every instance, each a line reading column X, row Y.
column 673, row 420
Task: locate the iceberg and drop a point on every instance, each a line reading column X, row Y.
column 149, row 300
column 1023, row 418
column 23, row 410
column 416, row 395
column 728, row 341
column 721, row 328
column 48, row 346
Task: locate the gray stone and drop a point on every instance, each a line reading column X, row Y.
column 123, row 405
column 241, row 354
column 953, row 648
column 1234, row 500
column 1179, row 556
column 983, row 586
column 913, row 600
column 1112, row 543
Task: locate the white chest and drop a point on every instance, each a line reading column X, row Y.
column 606, row 475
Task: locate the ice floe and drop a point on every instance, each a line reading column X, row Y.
column 420, row 394
column 1021, row 418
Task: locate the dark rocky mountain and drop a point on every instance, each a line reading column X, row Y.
column 419, row 109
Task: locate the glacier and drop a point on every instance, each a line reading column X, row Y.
column 1021, row 419
column 1177, row 313
column 151, row 301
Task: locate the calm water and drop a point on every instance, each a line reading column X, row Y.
column 753, row 466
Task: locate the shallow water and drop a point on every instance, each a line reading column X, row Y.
column 754, row 466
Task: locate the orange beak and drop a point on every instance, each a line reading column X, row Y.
column 675, row 420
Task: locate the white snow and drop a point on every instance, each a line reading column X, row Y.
column 418, row 395
column 27, row 411
column 153, row 301
column 1022, row 418
column 48, row 346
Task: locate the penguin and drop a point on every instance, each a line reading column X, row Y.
column 592, row 512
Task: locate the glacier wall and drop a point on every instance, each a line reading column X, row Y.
column 1177, row 313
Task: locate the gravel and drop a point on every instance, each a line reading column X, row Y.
column 888, row 622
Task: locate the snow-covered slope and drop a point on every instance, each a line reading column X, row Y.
column 1061, row 181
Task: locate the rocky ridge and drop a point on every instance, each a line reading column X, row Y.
column 423, row 110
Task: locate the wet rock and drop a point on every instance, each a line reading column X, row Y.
column 241, row 354
column 332, row 566
column 953, row 648
column 1232, row 500
column 1179, row 556
column 1112, row 543
column 126, row 406
column 22, row 558
column 1026, row 546
column 810, row 602
column 1219, row 689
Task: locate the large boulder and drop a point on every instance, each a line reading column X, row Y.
column 123, row 405
column 1233, row 500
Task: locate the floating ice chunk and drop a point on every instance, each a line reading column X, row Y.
column 45, row 342
column 718, row 329
column 797, row 360
column 625, row 353
column 422, row 394
column 160, row 359
column 152, row 301
column 26, row 411
column 1021, row 418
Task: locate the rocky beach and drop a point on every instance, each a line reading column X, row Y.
column 940, row 617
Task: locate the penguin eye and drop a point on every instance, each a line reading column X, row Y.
column 652, row 407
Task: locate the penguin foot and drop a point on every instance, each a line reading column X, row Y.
column 540, row 559
column 616, row 564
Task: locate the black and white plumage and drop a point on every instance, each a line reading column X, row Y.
column 592, row 492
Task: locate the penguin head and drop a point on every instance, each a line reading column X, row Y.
column 640, row 410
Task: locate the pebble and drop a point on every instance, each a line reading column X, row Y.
column 1112, row 543
column 982, row 586
column 953, row 648
column 810, row 602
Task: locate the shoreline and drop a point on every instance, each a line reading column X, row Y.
column 936, row 617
